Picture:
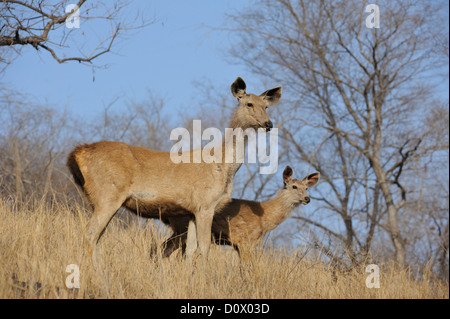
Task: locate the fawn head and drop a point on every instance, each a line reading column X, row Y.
column 252, row 109
column 297, row 187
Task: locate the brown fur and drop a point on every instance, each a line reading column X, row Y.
column 244, row 223
column 115, row 174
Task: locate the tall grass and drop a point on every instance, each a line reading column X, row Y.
column 37, row 243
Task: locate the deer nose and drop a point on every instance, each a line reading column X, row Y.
column 268, row 125
column 307, row 200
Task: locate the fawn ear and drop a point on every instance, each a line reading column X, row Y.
column 287, row 174
column 272, row 96
column 238, row 88
column 312, row 179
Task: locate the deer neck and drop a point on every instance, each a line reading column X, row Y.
column 234, row 146
column 278, row 209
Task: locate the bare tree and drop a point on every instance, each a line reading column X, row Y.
column 426, row 212
column 53, row 26
column 357, row 107
column 141, row 123
column 32, row 143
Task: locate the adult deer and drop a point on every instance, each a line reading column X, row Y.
column 115, row 174
column 243, row 223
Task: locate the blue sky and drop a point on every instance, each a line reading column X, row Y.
column 166, row 57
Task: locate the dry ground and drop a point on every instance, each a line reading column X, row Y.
column 36, row 246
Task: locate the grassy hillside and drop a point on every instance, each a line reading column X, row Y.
column 36, row 246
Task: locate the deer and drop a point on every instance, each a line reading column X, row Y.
column 244, row 223
column 147, row 182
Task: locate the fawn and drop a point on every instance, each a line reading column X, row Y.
column 243, row 222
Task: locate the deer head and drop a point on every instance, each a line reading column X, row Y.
column 297, row 188
column 252, row 109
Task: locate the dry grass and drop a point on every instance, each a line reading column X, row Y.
column 36, row 246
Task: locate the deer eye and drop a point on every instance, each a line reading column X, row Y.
column 250, row 104
column 294, row 187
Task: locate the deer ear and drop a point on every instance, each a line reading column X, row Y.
column 312, row 179
column 287, row 174
column 272, row 96
column 238, row 88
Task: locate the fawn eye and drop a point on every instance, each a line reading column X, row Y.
column 249, row 104
column 294, row 187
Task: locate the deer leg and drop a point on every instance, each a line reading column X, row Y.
column 179, row 227
column 203, row 222
column 173, row 243
column 191, row 240
column 98, row 222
